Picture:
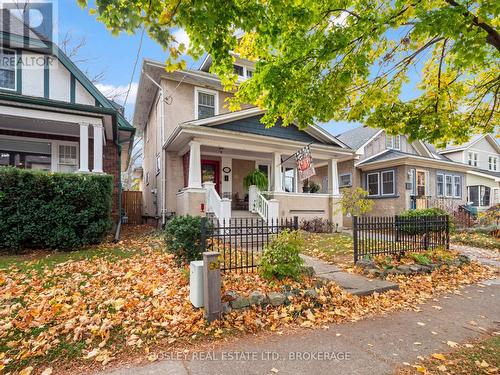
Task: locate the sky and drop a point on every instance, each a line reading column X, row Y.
column 114, row 56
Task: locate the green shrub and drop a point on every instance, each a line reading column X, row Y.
column 182, row 238
column 281, row 257
column 419, row 216
column 421, row 259
column 53, row 210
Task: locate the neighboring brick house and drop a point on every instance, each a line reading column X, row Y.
column 401, row 175
column 52, row 117
column 197, row 153
column 482, row 155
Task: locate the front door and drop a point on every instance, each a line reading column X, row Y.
column 210, row 172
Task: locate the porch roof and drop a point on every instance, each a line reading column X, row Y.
column 229, row 139
column 390, row 158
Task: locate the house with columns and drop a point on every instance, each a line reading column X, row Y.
column 197, row 153
column 52, row 117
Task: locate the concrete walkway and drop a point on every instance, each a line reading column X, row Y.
column 350, row 282
column 484, row 256
column 371, row 346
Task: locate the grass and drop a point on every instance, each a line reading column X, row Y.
column 480, row 359
column 330, row 247
column 481, row 240
column 41, row 260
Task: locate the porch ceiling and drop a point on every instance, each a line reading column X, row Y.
column 34, row 121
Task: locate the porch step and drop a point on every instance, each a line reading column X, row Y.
column 239, row 214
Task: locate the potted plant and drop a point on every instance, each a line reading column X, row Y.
column 314, row 187
column 256, row 178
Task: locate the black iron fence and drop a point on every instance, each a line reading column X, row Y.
column 241, row 241
column 396, row 235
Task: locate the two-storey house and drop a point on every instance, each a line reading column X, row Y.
column 52, row 117
column 197, row 153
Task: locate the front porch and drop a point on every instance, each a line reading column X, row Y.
column 214, row 177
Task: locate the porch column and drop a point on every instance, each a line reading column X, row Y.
column 84, row 148
column 194, row 180
column 98, row 146
column 333, row 177
column 277, row 183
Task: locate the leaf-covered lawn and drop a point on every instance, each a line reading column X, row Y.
column 91, row 311
column 482, row 240
column 478, row 358
column 330, row 247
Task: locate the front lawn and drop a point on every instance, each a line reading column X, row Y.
column 478, row 358
column 130, row 300
column 476, row 239
column 330, row 247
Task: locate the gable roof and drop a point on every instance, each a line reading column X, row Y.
column 472, row 141
column 248, row 121
column 355, row 138
column 399, row 156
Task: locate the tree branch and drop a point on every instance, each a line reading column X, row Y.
column 493, row 37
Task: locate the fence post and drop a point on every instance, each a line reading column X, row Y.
column 296, row 223
column 211, row 285
column 203, row 234
column 426, row 234
column 447, row 232
column 355, row 237
column 397, row 227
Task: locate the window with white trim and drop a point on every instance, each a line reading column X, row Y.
column 68, row 160
column 238, row 69
column 449, row 185
column 372, row 183
column 8, row 62
column 479, row 195
column 493, row 163
column 472, row 158
column 345, row 180
column 206, row 102
column 457, row 186
column 440, row 185
column 388, row 183
column 393, row 142
column 289, row 179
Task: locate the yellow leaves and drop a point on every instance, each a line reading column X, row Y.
column 92, row 353
column 438, row 356
column 420, row 369
column 26, row 371
column 482, row 364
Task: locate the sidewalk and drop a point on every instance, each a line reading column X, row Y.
column 373, row 346
column 484, row 256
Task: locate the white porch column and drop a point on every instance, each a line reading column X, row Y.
column 333, row 177
column 84, row 147
column 277, row 183
column 194, row 180
column 98, row 146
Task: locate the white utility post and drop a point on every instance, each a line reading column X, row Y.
column 98, row 148
column 84, row 148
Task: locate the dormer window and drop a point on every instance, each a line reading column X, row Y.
column 7, row 69
column 238, row 69
column 242, row 71
column 393, row 142
column 206, row 103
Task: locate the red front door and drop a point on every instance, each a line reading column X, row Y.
column 210, row 172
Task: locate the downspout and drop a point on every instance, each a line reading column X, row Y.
column 119, row 162
column 162, row 139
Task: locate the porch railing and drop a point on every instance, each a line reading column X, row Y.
column 220, row 207
column 267, row 209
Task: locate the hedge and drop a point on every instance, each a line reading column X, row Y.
column 53, row 210
column 423, row 213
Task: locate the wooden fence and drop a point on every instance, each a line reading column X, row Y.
column 132, row 206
